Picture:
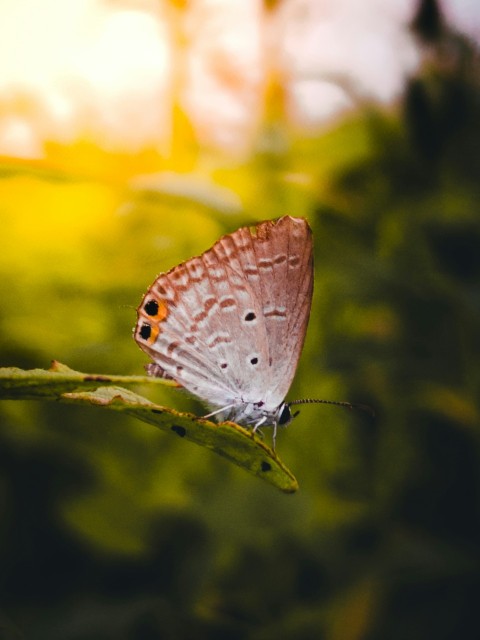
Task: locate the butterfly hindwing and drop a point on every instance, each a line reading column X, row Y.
column 202, row 339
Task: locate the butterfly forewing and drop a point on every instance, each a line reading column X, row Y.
column 297, row 295
column 276, row 259
column 229, row 325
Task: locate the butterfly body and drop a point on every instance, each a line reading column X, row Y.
column 229, row 325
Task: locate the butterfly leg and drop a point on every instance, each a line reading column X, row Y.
column 259, row 424
column 214, row 413
column 256, row 429
column 274, row 436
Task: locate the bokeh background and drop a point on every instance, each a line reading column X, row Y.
column 132, row 135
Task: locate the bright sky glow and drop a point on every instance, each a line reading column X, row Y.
column 112, row 72
column 80, row 68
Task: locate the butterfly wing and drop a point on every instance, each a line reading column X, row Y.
column 190, row 324
column 277, row 262
column 229, row 325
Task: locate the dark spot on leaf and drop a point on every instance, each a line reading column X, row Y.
column 96, row 379
column 180, row 431
column 266, row 466
column 157, row 411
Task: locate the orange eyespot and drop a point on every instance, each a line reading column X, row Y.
column 156, row 309
column 148, row 332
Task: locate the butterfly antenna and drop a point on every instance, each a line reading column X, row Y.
column 348, row 405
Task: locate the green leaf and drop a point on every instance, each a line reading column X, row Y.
column 36, row 384
column 230, row 440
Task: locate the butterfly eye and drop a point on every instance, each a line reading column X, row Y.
column 285, row 415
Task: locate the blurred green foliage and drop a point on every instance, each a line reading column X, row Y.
column 112, row 530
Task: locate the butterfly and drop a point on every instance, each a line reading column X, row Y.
column 229, row 325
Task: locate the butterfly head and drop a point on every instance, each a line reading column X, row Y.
column 284, row 415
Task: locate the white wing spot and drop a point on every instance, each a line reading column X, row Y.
column 209, row 306
column 216, row 274
column 164, row 291
column 251, row 271
column 227, row 303
column 196, row 270
column 220, row 337
column 238, row 282
column 278, row 313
